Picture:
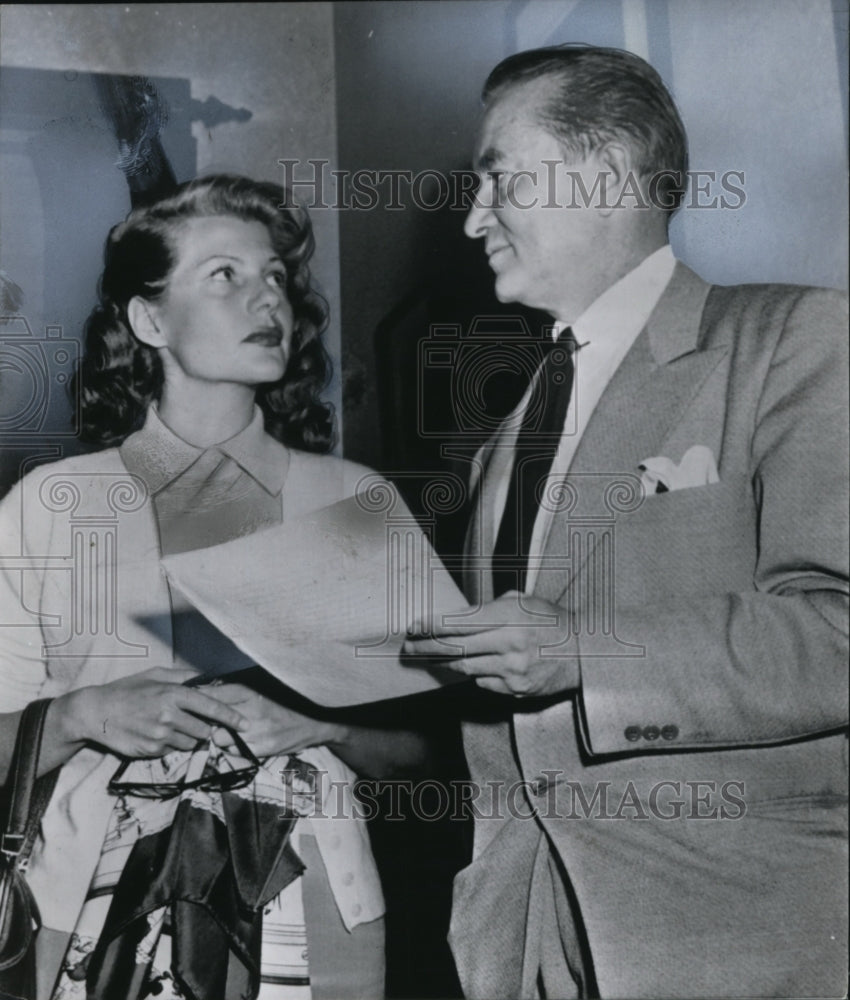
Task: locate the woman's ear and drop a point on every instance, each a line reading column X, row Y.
column 142, row 317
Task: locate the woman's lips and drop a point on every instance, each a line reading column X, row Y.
column 268, row 337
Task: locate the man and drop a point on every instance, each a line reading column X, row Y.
column 659, row 596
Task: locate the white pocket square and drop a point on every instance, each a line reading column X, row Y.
column 697, row 468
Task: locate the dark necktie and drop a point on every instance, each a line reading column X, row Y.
column 536, row 446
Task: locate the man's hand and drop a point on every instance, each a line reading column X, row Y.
column 504, row 646
column 145, row 715
column 270, row 727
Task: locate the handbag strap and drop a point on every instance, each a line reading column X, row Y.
column 27, row 798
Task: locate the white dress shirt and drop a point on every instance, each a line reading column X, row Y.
column 604, row 332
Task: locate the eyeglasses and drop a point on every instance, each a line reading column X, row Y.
column 219, row 775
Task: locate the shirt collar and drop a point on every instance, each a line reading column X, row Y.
column 613, row 321
column 159, row 455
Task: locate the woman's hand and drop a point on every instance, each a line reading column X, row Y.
column 273, row 728
column 270, row 727
column 146, row 715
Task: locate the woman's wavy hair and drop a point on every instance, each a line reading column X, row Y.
column 119, row 376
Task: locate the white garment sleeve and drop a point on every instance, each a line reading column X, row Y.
column 22, row 668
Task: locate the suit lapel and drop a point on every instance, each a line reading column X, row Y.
column 643, row 402
column 653, row 385
column 638, row 409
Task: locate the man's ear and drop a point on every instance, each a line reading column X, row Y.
column 625, row 189
column 142, row 317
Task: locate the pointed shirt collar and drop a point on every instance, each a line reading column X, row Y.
column 159, row 455
column 612, row 322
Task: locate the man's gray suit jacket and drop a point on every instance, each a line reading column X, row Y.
column 695, row 786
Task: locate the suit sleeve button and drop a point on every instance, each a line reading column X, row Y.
column 651, row 733
column 632, row 733
column 669, row 732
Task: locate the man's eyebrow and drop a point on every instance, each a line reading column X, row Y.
column 489, row 158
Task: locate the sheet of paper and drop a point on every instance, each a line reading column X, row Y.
column 323, row 602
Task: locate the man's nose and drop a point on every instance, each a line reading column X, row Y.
column 479, row 218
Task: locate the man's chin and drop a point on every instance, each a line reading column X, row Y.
column 507, row 294
column 506, row 290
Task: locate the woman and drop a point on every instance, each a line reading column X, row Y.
column 202, row 367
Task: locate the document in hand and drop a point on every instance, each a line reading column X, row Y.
column 323, row 602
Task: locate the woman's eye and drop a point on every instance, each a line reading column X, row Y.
column 278, row 278
column 223, row 273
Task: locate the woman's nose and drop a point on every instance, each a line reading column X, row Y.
column 267, row 295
